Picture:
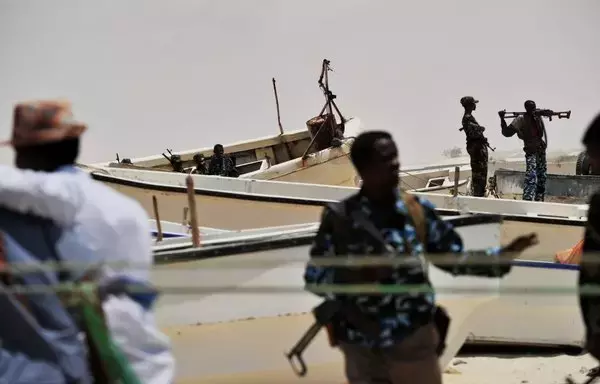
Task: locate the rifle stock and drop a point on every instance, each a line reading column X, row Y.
column 324, row 315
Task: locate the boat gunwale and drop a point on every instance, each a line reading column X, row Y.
column 285, row 240
column 556, row 220
column 281, row 240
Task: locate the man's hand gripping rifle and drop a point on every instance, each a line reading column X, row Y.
column 326, row 315
column 539, row 112
column 487, row 143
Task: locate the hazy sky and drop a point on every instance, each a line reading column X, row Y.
column 148, row 74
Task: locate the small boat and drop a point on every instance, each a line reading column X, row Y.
column 317, row 154
column 238, row 290
column 231, row 295
column 237, row 204
column 573, row 189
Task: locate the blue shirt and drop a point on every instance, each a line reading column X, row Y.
column 398, row 313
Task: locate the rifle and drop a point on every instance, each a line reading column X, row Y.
column 539, row 112
column 172, row 159
column 324, row 314
column 487, row 144
column 593, row 377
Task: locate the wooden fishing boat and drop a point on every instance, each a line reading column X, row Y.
column 236, row 204
column 573, row 189
column 246, row 290
column 230, row 295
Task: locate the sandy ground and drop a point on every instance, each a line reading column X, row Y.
column 252, row 350
column 217, row 354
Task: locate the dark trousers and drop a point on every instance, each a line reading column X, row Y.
column 535, row 176
column 479, row 168
column 412, row 361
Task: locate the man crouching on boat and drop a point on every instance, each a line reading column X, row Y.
column 100, row 227
column 589, row 272
column 378, row 220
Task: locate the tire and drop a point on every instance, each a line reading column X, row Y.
column 582, row 166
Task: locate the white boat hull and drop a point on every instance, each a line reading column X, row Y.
column 235, row 319
column 275, row 311
column 572, row 189
column 235, row 204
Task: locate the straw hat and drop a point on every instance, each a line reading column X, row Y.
column 42, row 122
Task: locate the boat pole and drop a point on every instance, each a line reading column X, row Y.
column 159, row 232
column 189, row 181
column 285, row 144
column 456, row 177
column 277, row 105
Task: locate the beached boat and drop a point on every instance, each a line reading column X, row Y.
column 573, row 189
column 292, row 156
column 235, row 204
column 231, row 295
column 260, row 280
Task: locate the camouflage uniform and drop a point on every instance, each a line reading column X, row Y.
column 200, row 168
column 222, row 166
column 532, row 131
column 477, row 149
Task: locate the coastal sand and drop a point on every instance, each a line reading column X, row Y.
column 251, row 352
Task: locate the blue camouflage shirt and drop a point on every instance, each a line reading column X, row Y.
column 398, row 313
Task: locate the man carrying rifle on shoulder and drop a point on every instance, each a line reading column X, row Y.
column 530, row 128
column 391, row 338
column 477, row 146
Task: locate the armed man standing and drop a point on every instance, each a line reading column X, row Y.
column 477, row 146
column 403, row 344
column 530, row 128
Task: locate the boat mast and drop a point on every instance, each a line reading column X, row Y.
column 277, row 105
column 330, row 104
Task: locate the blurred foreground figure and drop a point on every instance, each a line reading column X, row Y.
column 100, row 228
column 392, row 338
column 40, row 340
column 589, row 272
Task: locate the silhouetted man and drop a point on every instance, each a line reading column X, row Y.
column 200, row 168
column 531, row 129
column 589, row 272
column 177, row 164
column 379, row 221
column 221, row 164
column 476, row 146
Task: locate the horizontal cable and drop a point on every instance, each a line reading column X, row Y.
column 357, row 260
column 346, row 289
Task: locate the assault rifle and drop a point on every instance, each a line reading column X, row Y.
column 174, row 160
column 593, row 375
column 324, row 314
column 487, row 144
column 539, row 112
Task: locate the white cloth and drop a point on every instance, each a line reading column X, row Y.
column 99, row 226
